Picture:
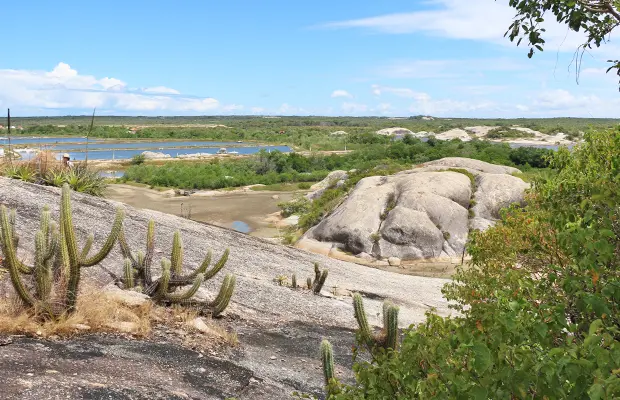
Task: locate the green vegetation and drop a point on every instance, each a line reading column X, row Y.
column 138, row 277
column 538, row 308
column 138, row 159
column 58, row 261
column 80, row 178
column 507, row 133
column 276, row 167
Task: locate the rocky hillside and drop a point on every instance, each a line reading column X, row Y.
column 423, row 213
column 280, row 329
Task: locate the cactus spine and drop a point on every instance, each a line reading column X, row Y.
column 388, row 337
column 57, row 260
column 137, row 274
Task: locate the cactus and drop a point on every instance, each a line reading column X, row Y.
column 309, row 283
column 388, row 337
column 138, row 267
column 327, row 358
column 57, row 261
column 319, row 279
column 294, row 281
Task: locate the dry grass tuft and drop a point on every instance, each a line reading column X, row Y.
column 96, row 312
column 100, row 311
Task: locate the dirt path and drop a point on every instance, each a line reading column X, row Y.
column 240, row 211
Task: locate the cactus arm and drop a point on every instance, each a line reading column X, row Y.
column 42, row 272
column 52, row 242
column 66, row 220
column 109, row 243
column 179, row 297
column 150, row 243
column 318, row 285
column 360, row 316
column 128, row 269
column 309, row 283
column 317, row 272
column 125, row 250
column 223, row 298
column 294, row 281
column 218, row 266
column 87, row 247
column 10, row 258
column 391, row 327
column 162, row 286
column 327, row 359
column 176, row 258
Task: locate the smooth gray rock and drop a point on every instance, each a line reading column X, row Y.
column 336, row 178
column 421, row 213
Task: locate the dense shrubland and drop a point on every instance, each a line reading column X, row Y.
column 276, row 167
column 539, row 306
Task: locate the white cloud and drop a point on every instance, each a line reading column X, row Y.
column 378, row 90
column 63, row 88
column 426, row 105
column 341, row 93
column 232, row 107
column 161, row 90
column 481, row 20
column 354, row 108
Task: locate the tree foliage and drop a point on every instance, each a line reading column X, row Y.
column 597, row 18
column 539, row 309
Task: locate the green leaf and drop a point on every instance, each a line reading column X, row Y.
column 478, row 393
column 482, row 357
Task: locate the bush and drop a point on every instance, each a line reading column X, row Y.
column 297, row 206
column 538, row 307
column 138, row 159
column 304, row 185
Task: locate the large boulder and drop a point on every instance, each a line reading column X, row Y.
column 423, row 213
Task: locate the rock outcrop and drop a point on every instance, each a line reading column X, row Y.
column 423, row 213
column 335, row 178
column 394, row 131
column 151, row 155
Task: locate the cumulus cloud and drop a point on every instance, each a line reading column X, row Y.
column 63, row 88
column 341, row 93
column 378, row 90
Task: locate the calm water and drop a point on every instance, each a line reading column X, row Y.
column 141, row 145
column 127, row 154
column 43, row 140
column 241, row 226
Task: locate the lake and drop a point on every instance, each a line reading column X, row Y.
column 102, row 149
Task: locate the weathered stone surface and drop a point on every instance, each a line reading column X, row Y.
column 394, row 261
column 130, row 298
column 421, row 213
column 394, row 131
column 336, row 178
column 267, row 317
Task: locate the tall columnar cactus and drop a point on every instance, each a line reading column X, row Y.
column 138, row 274
column 387, row 338
column 327, row 358
column 319, row 278
column 57, row 262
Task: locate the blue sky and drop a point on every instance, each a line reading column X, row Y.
column 396, row 58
